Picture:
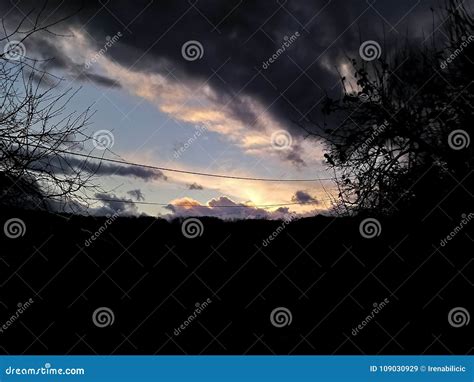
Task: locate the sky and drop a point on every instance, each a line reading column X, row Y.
column 213, row 87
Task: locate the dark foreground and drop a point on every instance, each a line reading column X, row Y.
column 146, row 279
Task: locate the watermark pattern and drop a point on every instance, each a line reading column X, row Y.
column 370, row 228
column 458, row 139
column 370, row 50
column 110, row 42
column 103, row 139
column 103, row 317
column 35, row 262
column 14, row 50
column 287, row 220
column 21, row 308
column 200, row 130
column 281, row 140
column 466, row 40
column 280, row 317
column 287, row 42
column 465, row 220
column 200, row 307
column 192, row 228
column 192, row 50
column 370, row 140
column 458, row 317
column 101, row 230
column 14, row 228
column 376, row 310
column 364, row 97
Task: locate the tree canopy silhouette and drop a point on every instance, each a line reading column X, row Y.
column 399, row 135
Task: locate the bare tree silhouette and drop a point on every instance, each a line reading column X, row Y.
column 400, row 131
column 36, row 124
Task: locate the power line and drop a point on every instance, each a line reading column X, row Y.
column 88, row 156
column 184, row 205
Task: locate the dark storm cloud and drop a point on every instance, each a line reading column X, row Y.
column 195, row 186
column 121, row 170
column 104, row 204
column 304, row 198
column 69, row 165
column 238, row 37
column 113, row 204
column 293, row 155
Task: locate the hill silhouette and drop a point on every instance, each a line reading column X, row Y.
column 133, row 288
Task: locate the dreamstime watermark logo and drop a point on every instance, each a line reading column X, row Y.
column 101, row 230
column 46, row 370
column 287, row 42
column 458, row 139
column 200, row 307
column 376, row 310
column 364, row 97
column 14, row 50
column 370, row 50
column 281, row 140
column 200, row 130
column 287, row 220
column 458, row 317
column 110, row 41
column 103, row 317
column 14, row 228
column 370, row 228
column 466, row 40
column 465, row 220
column 192, row 50
column 21, row 308
column 192, row 228
column 362, row 148
column 280, row 317
column 103, row 139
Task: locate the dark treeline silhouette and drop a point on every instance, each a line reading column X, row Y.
column 151, row 277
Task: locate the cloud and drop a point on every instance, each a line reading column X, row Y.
column 68, row 165
column 99, row 80
column 294, row 155
column 55, row 53
column 109, row 204
column 222, row 207
column 260, row 193
column 235, row 92
column 112, row 204
column 136, row 194
column 195, row 186
column 112, row 169
column 304, row 198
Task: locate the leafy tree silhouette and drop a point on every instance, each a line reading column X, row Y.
column 398, row 137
